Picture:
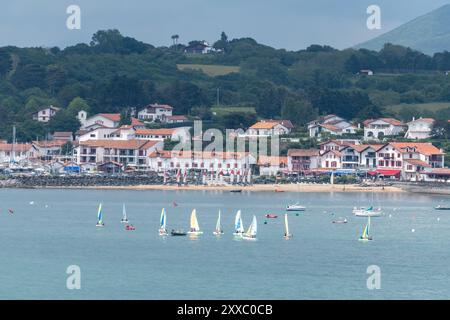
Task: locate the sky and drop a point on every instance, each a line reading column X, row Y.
column 288, row 24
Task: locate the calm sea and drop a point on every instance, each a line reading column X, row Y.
column 322, row 261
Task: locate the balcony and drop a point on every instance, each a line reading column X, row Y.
column 350, row 159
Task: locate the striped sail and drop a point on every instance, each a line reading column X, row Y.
column 238, row 225
column 251, row 232
column 194, row 221
column 100, row 215
column 366, row 231
column 162, row 220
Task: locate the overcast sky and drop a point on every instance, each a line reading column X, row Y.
column 290, row 24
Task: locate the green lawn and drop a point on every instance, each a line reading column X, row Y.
column 219, row 111
column 435, row 106
column 212, row 70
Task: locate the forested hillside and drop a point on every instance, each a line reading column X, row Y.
column 114, row 73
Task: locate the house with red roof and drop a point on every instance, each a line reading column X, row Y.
column 106, row 120
column 331, row 124
column 155, row 113
column 377, row 129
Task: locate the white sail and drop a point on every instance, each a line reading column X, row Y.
column 194, row 221
column 286, row 224
column 238, row 225
column 124, row 213
column 218, row 226
column 251, row 232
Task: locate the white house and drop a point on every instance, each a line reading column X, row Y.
column 377, row 129
column 272, row 165
column 331, row 124
column 406, row 160
column 105, row 120
column 16, row 152
column 420, row 128
column 176, row 119
column 155, row 112
column 269, row 128
column 44, row 115
column 300, row 160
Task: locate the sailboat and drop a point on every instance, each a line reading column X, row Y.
column 100, row 222
column 287, row 235
column 366, row 233
column 124, row 215
column 251, row 232
column 195, row 229
column 238, row 225
column 162, row 223
column 218, row 230
column 367, row 211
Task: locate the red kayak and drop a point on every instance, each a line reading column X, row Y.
column 271, row 216
column 129, row 228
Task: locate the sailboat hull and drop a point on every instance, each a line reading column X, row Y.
column 195, row 233
column 124, row 221
column 218, row 233
column 248, row 238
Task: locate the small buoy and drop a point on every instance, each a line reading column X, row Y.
column 413, row 230
column 46, row 205
column 265, row 222
column 31, row 202
column 438, row 219
column 297, row 214
column 390, row 216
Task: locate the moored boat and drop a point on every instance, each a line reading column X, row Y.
column 295, row 207
column 178, row 233
column 271, row 216
column 367, row 212
column 441, row 207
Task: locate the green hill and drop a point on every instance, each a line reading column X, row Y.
column 429, row 33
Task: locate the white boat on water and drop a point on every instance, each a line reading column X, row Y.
column 124, row 215
column 367, row 212
column 162, row 223
column 252, row 230
column 100, row 222
column 287, row 235
column 295, row 207
column 366, row 232
column 238, row 225
column 218, row 231
column 194, row 229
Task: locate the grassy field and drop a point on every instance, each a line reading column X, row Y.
column 210, row 70
column 219, row 111
column 436, row 106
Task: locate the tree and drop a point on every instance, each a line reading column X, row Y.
column 175, row 38
column 299, row 111
column 76, row 105
column 125, row 118
column 5, row 62
column 63, row 121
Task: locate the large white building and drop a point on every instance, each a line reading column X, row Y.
column 17, row 152
column 269, row 128
column 128, row 153
column 420, row 128
column 377, row 129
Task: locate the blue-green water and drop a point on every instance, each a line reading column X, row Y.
column 322, row 261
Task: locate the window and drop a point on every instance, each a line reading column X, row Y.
column 381, row 163
column 399, row 163
column 409, row 167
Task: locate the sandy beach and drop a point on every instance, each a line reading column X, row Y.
column 256, row 188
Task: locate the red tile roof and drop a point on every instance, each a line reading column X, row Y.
column 425, row 148
column 303, row 152
column 392, row 121
column 272, row 160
